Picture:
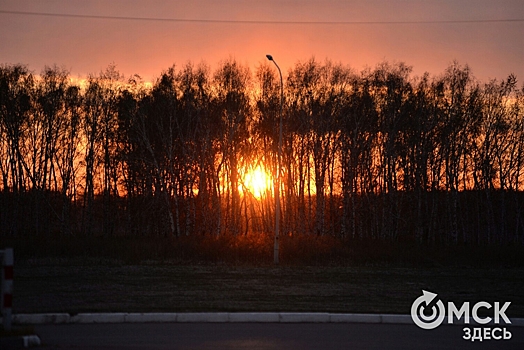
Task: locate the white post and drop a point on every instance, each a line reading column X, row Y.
column 7, row 287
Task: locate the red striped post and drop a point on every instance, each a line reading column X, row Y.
column 7, row 287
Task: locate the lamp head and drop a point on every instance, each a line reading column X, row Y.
column 269, row 57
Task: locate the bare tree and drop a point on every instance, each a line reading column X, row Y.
column 231, row 99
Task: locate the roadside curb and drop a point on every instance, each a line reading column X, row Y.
column 26, row 341
column 218, row 317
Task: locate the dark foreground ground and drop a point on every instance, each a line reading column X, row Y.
column 108, row 286
column 317, row 274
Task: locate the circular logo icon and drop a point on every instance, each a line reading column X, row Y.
column 421, row 304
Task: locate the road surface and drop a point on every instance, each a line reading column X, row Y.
column 263, row 336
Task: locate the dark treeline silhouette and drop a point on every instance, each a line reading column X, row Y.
column 376, row 154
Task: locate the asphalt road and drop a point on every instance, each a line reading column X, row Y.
column 263, row 336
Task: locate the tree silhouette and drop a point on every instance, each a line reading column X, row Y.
column 376, row 154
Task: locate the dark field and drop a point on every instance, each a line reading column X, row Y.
column 110, row 287
column 317, row 274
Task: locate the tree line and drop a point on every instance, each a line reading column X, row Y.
column 377, row 153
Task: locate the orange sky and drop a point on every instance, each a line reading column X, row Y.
column 88, row 45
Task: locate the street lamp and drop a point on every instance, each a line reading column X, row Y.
column 279, row 165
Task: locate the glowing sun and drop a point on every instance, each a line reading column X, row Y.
column 257, row 181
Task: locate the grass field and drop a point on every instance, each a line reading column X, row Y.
column 75, row 286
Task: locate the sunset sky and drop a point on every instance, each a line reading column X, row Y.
column 150, row 36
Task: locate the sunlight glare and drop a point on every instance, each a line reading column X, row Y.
column 257, row 181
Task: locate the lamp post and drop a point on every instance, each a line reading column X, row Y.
column 279, row 165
